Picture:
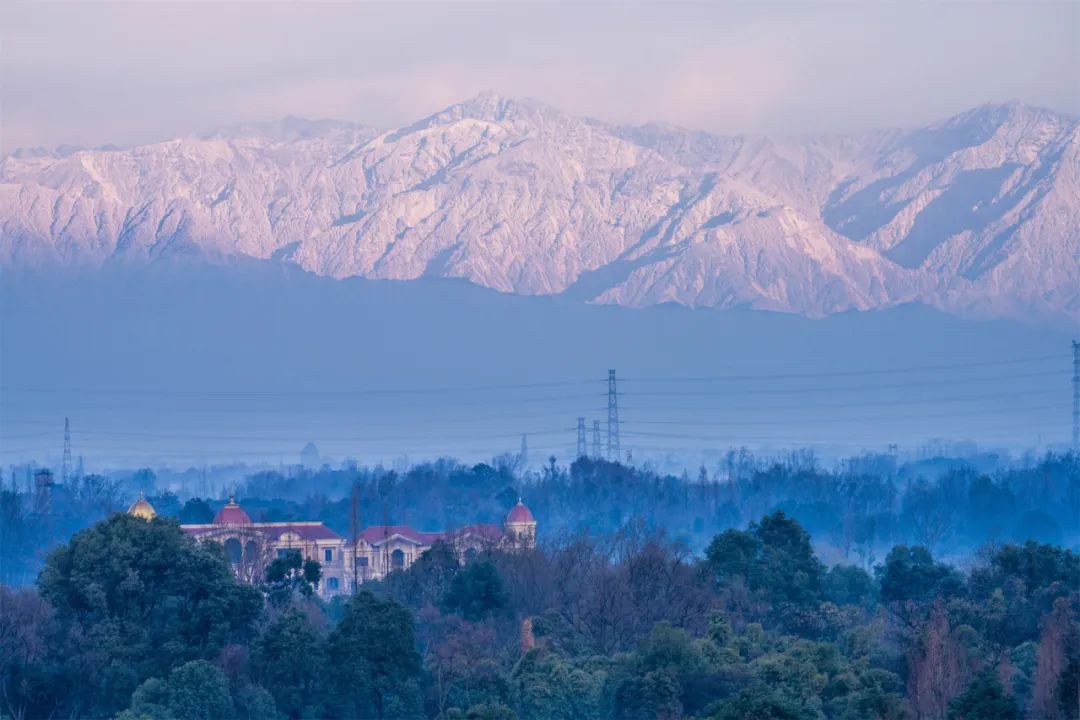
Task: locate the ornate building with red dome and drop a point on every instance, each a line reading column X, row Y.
column 378, row 550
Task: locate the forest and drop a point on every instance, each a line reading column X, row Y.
column 855, row 512
column 784, row 592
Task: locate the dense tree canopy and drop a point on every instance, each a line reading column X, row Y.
column 133, row 599
column 807, row 612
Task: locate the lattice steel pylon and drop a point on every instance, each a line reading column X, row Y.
column 580, row 438
column 596, row 439
column 65, row 464
column 613, row 452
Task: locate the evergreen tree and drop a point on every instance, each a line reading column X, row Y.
column 373, row 666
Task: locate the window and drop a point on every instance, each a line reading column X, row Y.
column 397, row 559
column 233, row 550
column 328, row 555
column 361, row 561
column 332, row 582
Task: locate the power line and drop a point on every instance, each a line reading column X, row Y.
column 835, row 406
column 421, row 391
column 300, row 393
column 300, row 438
column 880, row 418
column 843, row 388
column 845, row 373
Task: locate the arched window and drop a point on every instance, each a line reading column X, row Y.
column 233, row 551
column 332, row 583
column 250, row 551
column 470, row 554
column 397, row 559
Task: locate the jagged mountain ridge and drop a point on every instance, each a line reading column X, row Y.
column 979, row 214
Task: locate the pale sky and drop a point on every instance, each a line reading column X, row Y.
column 90, row 73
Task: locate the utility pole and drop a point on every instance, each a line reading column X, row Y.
column 596, row 439
column 65, row 464
column 613, row 453
column 354, row 530
column 1076, row 396
column 580, row 438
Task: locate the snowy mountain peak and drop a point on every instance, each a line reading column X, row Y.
column 978, row 214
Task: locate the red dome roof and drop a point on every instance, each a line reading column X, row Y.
column 232, row 514
column 519, row 514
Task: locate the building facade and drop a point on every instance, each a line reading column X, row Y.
column 378, row 550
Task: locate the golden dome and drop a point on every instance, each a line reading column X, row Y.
column 142, row 509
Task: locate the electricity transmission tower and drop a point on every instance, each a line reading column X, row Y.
column 580, row 437
column 613, row 453
column 65, row 464
column 596, row 438
column 523, row 454
column 1076, row 396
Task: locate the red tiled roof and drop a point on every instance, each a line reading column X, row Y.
column 232, row 514
column 306, row 530
column 520, row 514
column 490, row 533
column 378, row 533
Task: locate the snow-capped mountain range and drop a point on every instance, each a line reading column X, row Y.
column 977, row 215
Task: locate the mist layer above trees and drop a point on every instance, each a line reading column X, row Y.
column 132, row 617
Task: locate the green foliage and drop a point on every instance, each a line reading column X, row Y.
column 553, row 688
column 984, row 699
column 487, row 711
column 291, row 576
column 774, row 556
column 288, row 660
column 131, row 614
column 199, row 691
column 776, row 561
column 1018, row 586
column 848, row 585
column 428, row 579
column 732, row 554
column 254, row 702
column 149, row 702
column 373, row 667
column 196, row 511
column 910, row 574
column 477, row 591
column 652, row 695
column 137, row 598
column 761, row 703
column 787, row 564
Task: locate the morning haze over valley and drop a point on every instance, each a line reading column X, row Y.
column 540, row 361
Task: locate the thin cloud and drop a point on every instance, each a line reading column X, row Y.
column 137, row 72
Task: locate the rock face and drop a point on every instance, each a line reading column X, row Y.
column 978, row 215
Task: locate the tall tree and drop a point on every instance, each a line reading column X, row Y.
column 373, row 666
column 136, row 598
column 288, row 660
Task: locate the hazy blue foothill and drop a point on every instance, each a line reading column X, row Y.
column 264, row 347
